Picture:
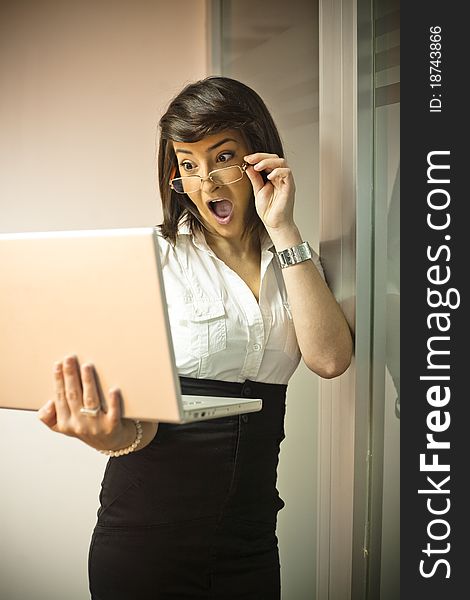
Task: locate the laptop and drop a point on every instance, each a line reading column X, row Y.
column 98, row 295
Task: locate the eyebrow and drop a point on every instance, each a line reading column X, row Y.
column 213, row 147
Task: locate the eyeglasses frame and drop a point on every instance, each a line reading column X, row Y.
column 242, row 168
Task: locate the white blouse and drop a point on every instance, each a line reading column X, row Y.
column 219, row 330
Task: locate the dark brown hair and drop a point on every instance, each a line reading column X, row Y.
column 204, row 108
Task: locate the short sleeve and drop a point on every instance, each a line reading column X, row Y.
column 164, row 246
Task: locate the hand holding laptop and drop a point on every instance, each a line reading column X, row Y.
column 77, row 410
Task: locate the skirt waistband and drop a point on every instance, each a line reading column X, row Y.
column 247, row 389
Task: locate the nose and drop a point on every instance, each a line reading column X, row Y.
column 207, row 184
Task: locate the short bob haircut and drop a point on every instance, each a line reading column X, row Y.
column 204, row 108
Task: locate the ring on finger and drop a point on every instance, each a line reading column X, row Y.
column 90, row 412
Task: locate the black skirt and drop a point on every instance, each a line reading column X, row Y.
column 193, row 514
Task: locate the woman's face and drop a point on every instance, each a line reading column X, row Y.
column 226, row 210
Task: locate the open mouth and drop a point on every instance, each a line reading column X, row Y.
column 222, row 209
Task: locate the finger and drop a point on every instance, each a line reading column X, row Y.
column 256, row 179
column 61, row 405
column 47, row 414
column 257, row 156
column 114, row 413
column 281, row 174
column 269, row 164
column 91, row 398
column 73, row 383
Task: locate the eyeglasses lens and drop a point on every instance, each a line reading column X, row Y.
column 227, row 175
column 186, row 185
column 191, row 184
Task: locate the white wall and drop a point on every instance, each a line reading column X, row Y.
column 82, row 87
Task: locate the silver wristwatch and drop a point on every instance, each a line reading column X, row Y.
column 294, row 255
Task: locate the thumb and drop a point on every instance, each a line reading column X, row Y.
column 256, row 179
column 47, row 414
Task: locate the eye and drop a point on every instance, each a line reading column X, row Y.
column 187, row 166
column 225, row 156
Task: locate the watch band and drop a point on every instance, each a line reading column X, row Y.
column 294, row 255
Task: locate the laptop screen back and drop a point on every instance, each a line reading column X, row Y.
column 96, row 294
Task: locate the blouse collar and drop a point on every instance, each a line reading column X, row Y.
column 200, row 241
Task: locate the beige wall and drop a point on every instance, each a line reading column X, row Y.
column 82, row 85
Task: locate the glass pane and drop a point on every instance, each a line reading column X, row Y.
column 387, row 276
column 273, row 47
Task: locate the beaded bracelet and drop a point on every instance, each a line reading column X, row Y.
column 129, row 449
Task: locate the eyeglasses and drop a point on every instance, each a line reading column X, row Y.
column 193, row 183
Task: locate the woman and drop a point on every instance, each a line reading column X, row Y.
column 189, row 511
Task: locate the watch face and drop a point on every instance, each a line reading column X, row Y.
column 304, row 250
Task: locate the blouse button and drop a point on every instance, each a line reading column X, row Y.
column 257, row 347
